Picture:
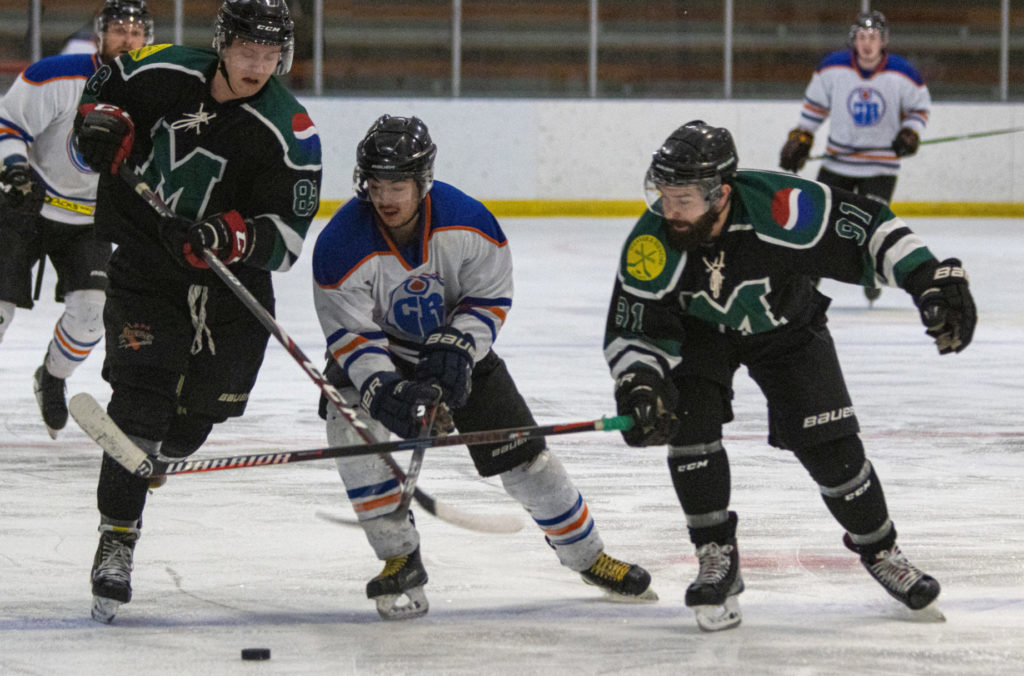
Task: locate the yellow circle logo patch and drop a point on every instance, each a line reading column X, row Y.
column 645, row 257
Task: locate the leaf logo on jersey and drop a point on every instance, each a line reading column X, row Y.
column 866, row 106
column 305, row 133
column 645, row 257
column 417, row 304
column 793, row 209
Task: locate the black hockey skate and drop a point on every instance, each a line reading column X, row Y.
column 902, row 579
column 112, row 573
column 402, row 576
column 50, row 393
column 713, row 594
column 622, row 582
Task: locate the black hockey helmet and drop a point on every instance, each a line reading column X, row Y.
column 264, row 22
column 395, row 148
column 694, row 151
column 124, row 11
column 868, row 21
column 694, row 154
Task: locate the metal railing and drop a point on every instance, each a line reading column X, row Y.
column 598, row 36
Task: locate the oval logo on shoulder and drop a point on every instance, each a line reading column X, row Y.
column 792, row 209
column 645, row 257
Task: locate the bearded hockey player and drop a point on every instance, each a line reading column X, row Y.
column 237, row 159
column 717, row 274
column 413, row 284
column 48, row 197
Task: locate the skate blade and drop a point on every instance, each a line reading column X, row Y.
column 103, row 609
column 717, row 618
column 53, row 432
column 930, row 613
column 648, row 596
column 390, row 606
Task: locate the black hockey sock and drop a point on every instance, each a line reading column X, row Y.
column 700, row 476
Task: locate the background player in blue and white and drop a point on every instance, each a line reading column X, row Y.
column 717, row 274
column 413, row 281
column 879, row 105
column 39, row 162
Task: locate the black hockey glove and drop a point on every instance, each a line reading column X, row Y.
column 945, row 303
column 23, row 191
column 226, row 235
column 446, row 358
column 104, row 135
column 651, row 400
column 400, row 405
column 906, row 142
column 795, row 151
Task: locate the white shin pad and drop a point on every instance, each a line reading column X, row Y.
column 372, row 487
column 549, row 495
column 77, row 332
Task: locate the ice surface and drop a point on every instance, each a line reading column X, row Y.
column 236, row 559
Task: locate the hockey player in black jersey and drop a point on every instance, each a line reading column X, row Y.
column 717, row 274
column 237, row 158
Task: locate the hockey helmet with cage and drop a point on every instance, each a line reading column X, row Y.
column 263, row 22
column 124, row 11
column 870, row 21
column 395, row 148
column 694, row 154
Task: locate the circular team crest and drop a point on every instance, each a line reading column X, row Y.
column 645, row 257
column 866, row 106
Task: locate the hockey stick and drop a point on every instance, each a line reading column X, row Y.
column 92, row 418
column 412, row 474
column 59, row 202
column 271, row 324
column 942, row 139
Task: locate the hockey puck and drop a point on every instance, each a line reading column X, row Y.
column 255, row 653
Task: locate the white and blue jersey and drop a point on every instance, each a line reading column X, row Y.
column 868, row 108
column 376, row 300
column 36, row 118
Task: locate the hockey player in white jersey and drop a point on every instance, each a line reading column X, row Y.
column 878, row 104
column 413, row 281
column 48, row 198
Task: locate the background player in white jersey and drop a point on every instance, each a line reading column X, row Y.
column 413, row 281
column 879, row 106
column 38, row 163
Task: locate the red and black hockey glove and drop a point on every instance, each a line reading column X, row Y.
column 796, row 150
column 226, row 235
column 104, row 135
column 446, row 358
column 944, row 300
column 651, row 399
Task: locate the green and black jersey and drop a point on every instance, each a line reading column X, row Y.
column 259, row 155
column 781, row 232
